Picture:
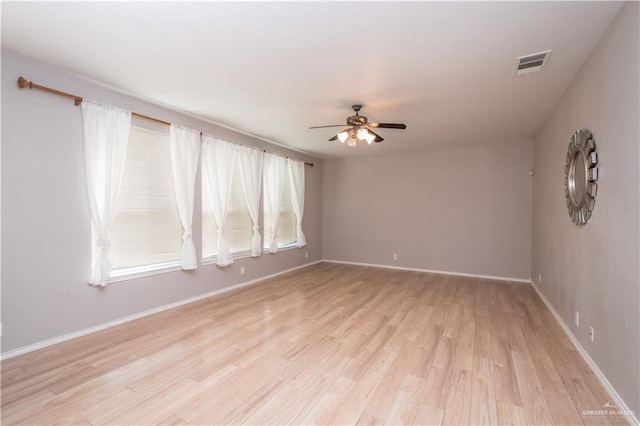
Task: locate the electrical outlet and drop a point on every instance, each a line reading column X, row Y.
column 395, row 257
column 306, row 254
column 576, row 318
column 540, row 278
column 242, row 270
column 591, row 332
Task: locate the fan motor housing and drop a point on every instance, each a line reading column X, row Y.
column 357, row 120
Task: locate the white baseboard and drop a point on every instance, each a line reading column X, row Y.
column 617, row 399
column 433, row 271
column 84, row 332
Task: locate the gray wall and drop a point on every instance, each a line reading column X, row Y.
column 594, row 268
column 46, row 229
column 462, row 209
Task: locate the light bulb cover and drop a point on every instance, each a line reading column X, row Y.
column 343, row 136
column 362, row 134
column 352, row 142
column 370, row 138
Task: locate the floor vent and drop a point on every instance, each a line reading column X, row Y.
column 532, row 63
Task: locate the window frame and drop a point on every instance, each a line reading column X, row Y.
column 294, row 242
column 237, row 253
column 133, row 272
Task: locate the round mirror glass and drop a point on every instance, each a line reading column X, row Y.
column 578, row 178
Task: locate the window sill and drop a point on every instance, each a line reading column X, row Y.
column 283, row 247
column 144, row 271
column 211, row 260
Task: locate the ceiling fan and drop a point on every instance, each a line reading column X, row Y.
column 360, row 129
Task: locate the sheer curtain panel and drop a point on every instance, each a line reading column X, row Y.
column 219, row 159
column 251, row 174
column 274, row 169
column 185, row 148
column 296, row 180
column 106, row 134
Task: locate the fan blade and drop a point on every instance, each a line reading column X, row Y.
column 388, row 125
column 378, row 137
column 331, row 125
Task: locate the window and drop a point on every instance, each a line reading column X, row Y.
column 238, row 228
column 147, row 232
column 286, row 221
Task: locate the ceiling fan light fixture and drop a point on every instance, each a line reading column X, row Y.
column 365, row 135
column 369, row 138
column 352, row 141
column 343, row 136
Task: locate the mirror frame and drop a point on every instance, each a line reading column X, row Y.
column 581, row 153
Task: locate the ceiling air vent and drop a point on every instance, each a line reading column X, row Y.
column 532, row 63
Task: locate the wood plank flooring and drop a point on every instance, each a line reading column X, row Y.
column 328, row 344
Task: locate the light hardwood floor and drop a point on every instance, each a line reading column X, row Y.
column 328, row 344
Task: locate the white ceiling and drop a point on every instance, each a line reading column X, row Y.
column 446, row 69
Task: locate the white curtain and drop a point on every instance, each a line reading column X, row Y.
column 251, row 174
column 296, row 180
column 106, row 134
column 184, row 145
column 274, row 169
column 220, row 160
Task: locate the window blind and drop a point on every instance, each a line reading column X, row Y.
column 147, row 230
column 238, row 229
column 286, row 221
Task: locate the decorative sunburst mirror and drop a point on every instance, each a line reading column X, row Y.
column 580, row 176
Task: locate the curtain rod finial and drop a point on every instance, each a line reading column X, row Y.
column 77, row 101
column 22, row 82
